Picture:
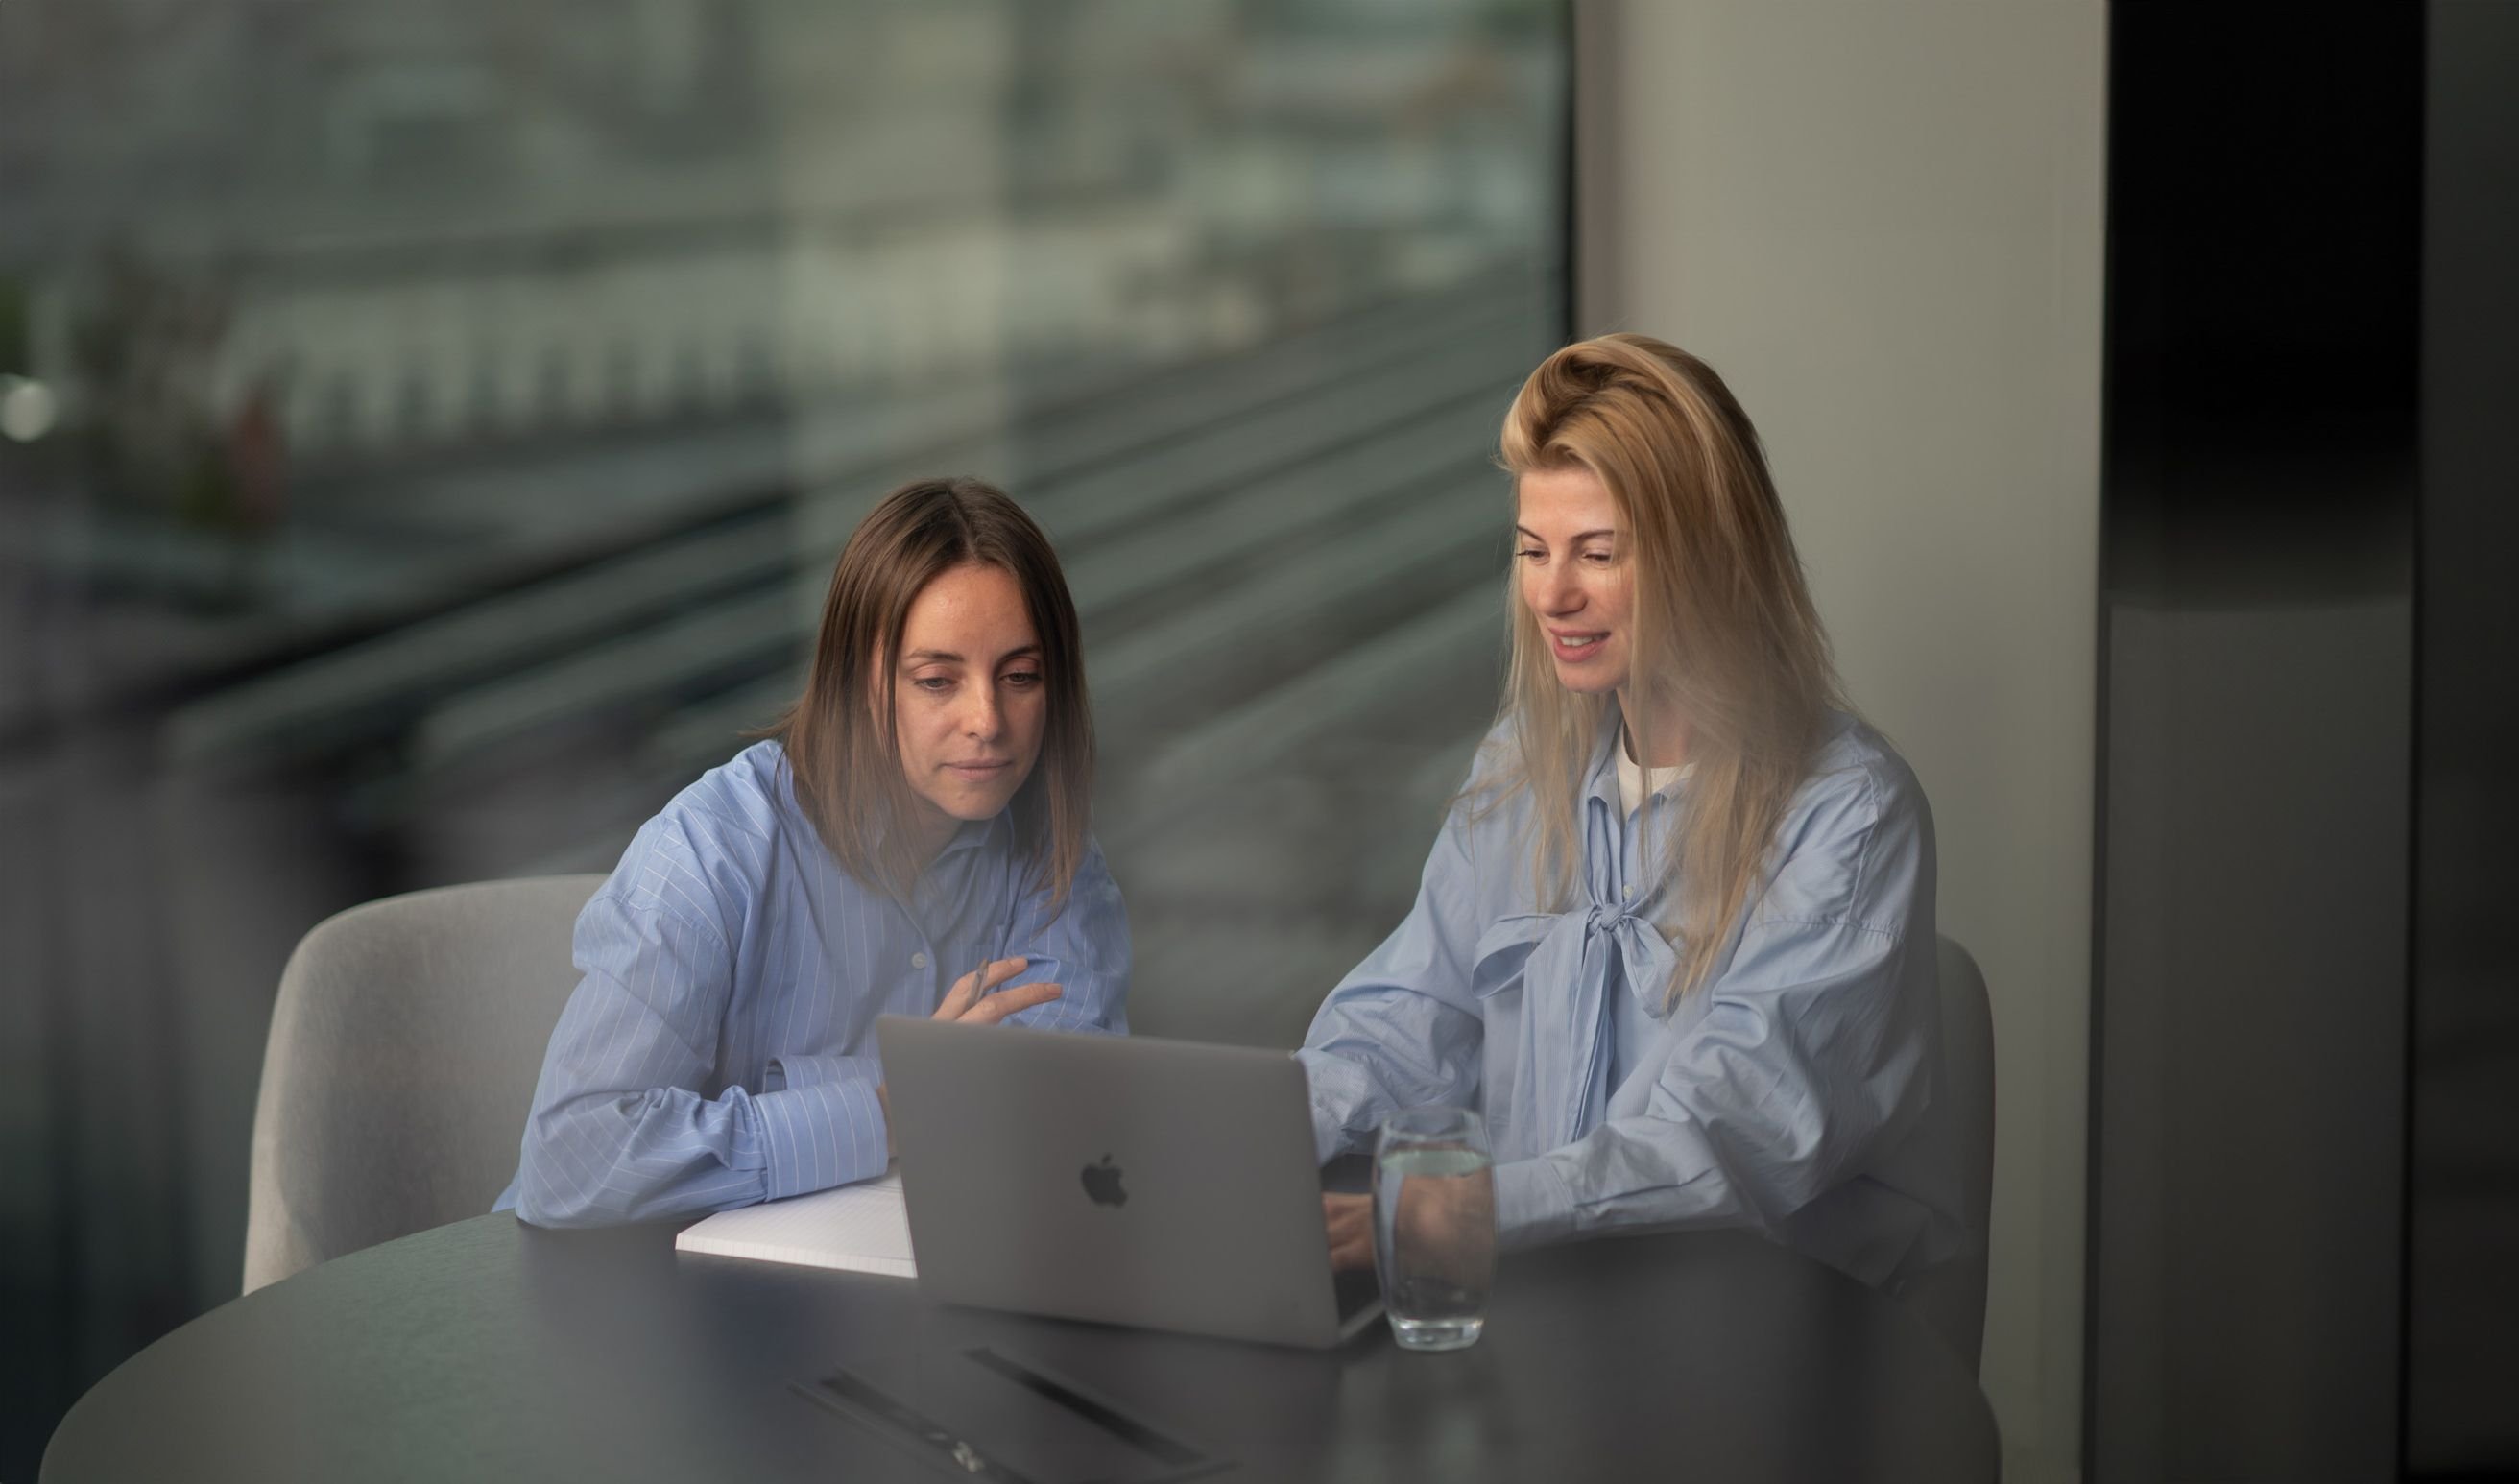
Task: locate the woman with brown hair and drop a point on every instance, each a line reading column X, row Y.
column 911, row 839
column 1677, row 936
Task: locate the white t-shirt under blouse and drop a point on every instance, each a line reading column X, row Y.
column 1634, row 788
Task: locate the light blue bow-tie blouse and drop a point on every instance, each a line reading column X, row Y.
column 1793, row 1093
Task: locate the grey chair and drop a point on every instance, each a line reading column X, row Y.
column 403, row 1052
column 1952, row 1295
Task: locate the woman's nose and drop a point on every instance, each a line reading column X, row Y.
column 981, row 720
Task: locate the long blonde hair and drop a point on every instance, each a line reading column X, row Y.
column 1722, row 626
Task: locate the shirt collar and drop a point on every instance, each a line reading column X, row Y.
column 973, row 834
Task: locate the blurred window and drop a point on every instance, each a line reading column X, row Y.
column 429, row 425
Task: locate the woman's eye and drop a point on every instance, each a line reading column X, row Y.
column 1024, row 678
column 933, row 684
column 1531, row 553
column 1597, row 558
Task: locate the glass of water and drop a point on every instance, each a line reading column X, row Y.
column 1433, row 1226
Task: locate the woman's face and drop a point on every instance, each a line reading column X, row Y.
column 1577, row 575
column 969, row 704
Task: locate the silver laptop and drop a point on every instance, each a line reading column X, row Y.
column 1162, row 1184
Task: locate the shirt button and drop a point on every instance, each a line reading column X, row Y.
column 918, row 961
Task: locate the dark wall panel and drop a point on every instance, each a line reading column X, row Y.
column 2258, row 499
column 2463, row 1325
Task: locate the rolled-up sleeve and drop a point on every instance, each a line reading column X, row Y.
column 1812, row 1055
column 1080, row 945
column 1400, row 1030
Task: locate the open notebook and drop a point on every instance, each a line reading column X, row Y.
column 862, row 1228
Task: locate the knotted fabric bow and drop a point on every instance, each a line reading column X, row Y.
column 1569, row 965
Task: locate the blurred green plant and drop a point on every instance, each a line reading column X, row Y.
column 145, row 347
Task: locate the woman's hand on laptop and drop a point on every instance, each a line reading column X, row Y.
column 1350, row 1223
column 1447, row 1225
column 971, row 999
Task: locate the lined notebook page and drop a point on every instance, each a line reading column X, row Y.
column 862, row 1228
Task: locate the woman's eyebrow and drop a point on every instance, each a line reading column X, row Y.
column 1569, row 541
column 925, row 656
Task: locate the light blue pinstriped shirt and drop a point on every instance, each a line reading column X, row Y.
column 720, row 1048
column 1794, row 1093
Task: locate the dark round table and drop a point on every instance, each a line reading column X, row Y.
column 489, row 1349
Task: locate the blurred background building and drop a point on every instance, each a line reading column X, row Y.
column 429, row 428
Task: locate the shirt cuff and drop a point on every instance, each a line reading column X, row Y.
column 1533, row 1205
column 820, row 1125
column 1337, row 1089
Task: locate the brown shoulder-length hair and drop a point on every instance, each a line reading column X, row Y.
column 842, row 747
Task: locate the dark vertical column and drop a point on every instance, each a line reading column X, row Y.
column 2258, row 497
column 2462, row 1293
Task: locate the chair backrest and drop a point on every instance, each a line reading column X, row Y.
column 404, row 1047
column 1952, row 1295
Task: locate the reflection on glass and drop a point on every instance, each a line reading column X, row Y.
column 425, row 427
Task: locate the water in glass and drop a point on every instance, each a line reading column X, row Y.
column 1433, row 1226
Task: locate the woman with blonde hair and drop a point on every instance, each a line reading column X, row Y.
column 911, row 840
column 1676, row 939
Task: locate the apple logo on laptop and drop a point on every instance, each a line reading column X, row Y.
column 1102, row 1184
